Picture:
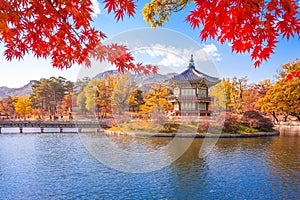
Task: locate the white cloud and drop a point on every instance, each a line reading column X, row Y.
column 96, row 8
column 212, row 51
column 176, row 57
column 172, row 60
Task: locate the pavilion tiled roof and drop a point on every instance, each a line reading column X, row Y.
column 192, row 74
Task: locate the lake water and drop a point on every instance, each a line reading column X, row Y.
column 60, row 166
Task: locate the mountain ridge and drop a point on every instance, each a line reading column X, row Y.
column 21, row 91
column 142, row 82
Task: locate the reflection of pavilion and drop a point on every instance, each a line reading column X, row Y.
column 190, row 92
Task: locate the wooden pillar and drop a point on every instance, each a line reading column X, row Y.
column 42, row 129
column 0, row 130
column 21, row 129
column 60, row 129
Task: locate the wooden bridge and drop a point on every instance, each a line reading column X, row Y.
column 53, row 124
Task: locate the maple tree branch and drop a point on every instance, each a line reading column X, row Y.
column 64, row 20
column 13, row 10
column 177, row 7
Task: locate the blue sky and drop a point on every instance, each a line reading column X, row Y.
column 159, row 49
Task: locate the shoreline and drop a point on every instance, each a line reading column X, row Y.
column 162, row 135
column 193, row 135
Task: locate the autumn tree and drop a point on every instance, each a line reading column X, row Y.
column 81, row 102
column 253, row 93
column 62, row 31
column 221, row 93
column 22, row 105
column 234, row 95
column 156, row 102
column 136, row 100
column 104, row 91
column 67, row 102
column 250, row 26
column 121, row 93
column 80, row 97
column 48, row 94
column 229, row 94
column 238, row 86
column 284, row 97
column 6, row 106
column 90, row 94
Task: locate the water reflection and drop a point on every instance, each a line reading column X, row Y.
column 284, row 164
column 135, row 154
column 289, row 131
column 240, row 167
column 45, row 166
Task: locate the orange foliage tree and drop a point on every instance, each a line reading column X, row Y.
column 61, row 29
column 252, row 26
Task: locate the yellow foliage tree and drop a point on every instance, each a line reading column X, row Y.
column 22, row 105
column 136, row 100
column 156, row 102
column 284, row 97
column 103, row 99
column 222, row 95
column 158, row 11
column 90, row 94
column 123, row 89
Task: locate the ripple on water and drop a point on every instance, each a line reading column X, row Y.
column 57, row 166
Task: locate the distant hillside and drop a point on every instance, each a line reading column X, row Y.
column 22, row 91
column 141, row 80
column 106, row 73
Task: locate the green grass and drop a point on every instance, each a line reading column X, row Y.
column 175, row 127
column 150, row 127
column 242, row 129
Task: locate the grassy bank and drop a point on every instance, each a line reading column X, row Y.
column 178, row 127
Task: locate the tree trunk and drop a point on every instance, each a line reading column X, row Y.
column 274, row 115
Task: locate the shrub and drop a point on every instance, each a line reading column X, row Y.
column 203, row 125
column 254, row 119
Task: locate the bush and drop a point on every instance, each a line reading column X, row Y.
column 231, row 123
column 254, row 119
column 203, row 125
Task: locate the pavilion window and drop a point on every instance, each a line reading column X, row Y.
column 188, row 106
column 202, row 93
column 188, row 92
column 202, row 106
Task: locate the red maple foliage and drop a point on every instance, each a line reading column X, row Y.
column 293, row 74
column 61, row 30
column 249, row 25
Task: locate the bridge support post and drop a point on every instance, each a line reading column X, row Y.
column 0, row 130
column 79, row 130
column 21, row 129
column 60, row 129
column 42, row 129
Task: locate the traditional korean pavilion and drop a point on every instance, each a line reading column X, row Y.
column 190, row 92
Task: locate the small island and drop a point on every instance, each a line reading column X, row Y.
column 190, row 102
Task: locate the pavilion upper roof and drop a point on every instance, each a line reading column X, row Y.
column 192, row 74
